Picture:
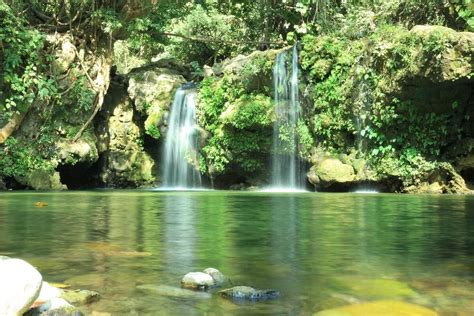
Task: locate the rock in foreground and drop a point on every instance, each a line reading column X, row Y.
column 203, row 280
column 377, row 308
column 20, row 285
column 197, row 281
column 249, row 293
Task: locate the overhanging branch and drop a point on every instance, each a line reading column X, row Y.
column 207, row 40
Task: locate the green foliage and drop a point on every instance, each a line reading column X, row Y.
column 17, row 160
column 21, row 77
column 329, row 64
column 250, row 111
column 153, row 131
column 219, row 31
column 81, row 95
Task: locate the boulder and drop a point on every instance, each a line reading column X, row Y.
column 20, row 285
column 456, row 61
column 444, row 179
column 197, row 281
column 385, row 307
column 331, row 171
column 248, row 293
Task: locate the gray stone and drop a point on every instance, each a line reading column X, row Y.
column 20, row 285
column 248, row 293
column 197, row 281
column 216, row 275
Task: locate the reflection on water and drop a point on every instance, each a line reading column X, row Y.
column 319, row 250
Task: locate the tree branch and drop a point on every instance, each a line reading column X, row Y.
column 11, row 126
column 207, row 40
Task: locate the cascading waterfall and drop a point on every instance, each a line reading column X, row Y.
column 180, row 158
column 286, row 167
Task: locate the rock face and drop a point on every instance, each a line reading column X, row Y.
column 386, row 308
column 152, row 90
column 445, row 179
column 125, row 162
column 46, row 180
column 20, row 285
column 248, row 293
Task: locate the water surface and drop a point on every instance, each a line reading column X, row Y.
column 319, row 250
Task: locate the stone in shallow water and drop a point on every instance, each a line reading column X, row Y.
column 216, row 275
column 54, row 307
column 80, row 297
column 197, row 281
column 20, row 285
column 379, row 308
column 171, row 291
column 249, row 293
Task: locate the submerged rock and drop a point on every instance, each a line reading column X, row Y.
column 55, row 307
column 80, row 297
column 374, row 288
column 248, row 293
column 20, row 285
column 197, row 281
column 377, row 308
column 171, row 291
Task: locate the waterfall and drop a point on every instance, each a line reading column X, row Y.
column 286, row 167
column 180, row 158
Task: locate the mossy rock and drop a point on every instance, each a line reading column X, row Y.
column 45, row 180
column 248, row 112
column 378, row 308
column 332, row 170
column 374, row 288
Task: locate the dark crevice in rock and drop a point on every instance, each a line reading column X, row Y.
column 468, row 176
column 154, row 147
column 12, row 184
column 80, row 175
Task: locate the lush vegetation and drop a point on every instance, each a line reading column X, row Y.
column 356, row 57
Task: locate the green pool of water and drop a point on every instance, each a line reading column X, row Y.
column 319, row 250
